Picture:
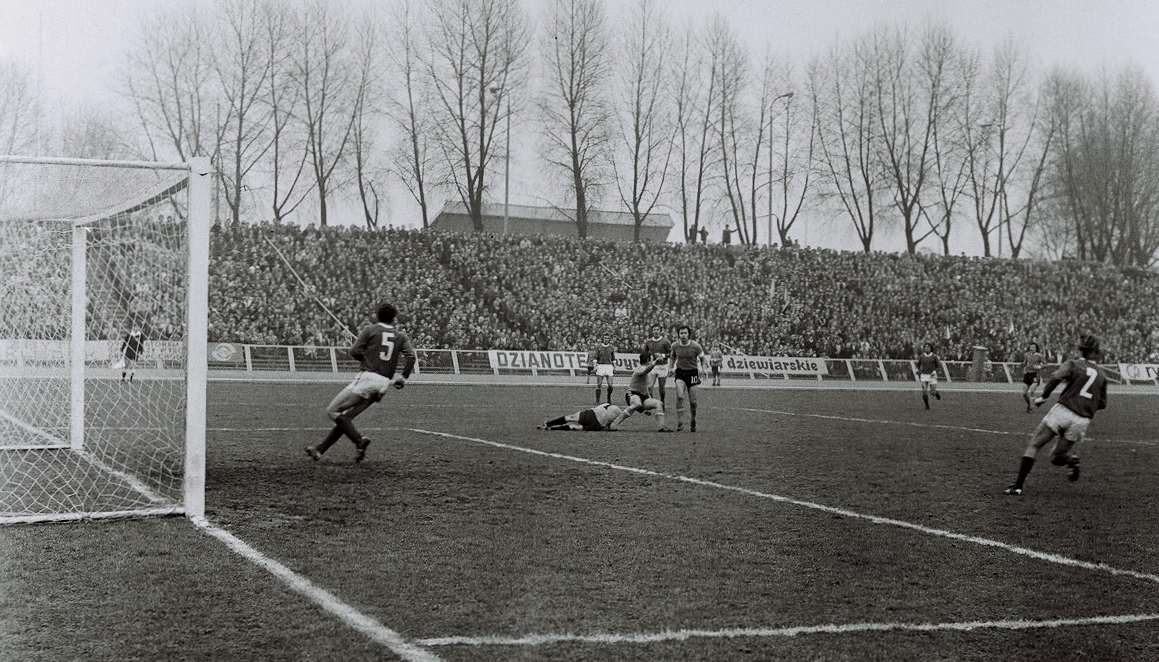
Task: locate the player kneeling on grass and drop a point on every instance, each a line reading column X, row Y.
column 377, row 350
column 1084, row 394
column 637, row 395
column 600, row 418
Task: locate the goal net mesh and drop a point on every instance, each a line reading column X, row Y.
column 108, row 439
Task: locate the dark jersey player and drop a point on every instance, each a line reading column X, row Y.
column 603, row 357
column 1084, row 394
column 687, row 359
column 1032, row 362
column 379, row 350
column 658, row 346
column 131, row 349
column 928, row 364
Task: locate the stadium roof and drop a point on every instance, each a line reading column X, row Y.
column 559, row 215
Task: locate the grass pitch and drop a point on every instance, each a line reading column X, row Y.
column 794, row 525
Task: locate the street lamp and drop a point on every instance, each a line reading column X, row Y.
column 506, row 164
column 787, row 96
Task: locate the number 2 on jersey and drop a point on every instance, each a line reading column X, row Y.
column 388, row 343
column 1085, row 391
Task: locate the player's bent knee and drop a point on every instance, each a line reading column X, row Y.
column 1059, row 459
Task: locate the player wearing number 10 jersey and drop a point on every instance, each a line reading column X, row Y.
column 1084, row 394
column 379, row 349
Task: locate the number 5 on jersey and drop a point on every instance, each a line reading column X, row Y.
column 388, row 343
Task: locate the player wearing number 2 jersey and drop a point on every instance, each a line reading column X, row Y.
column 380, row 349
column 1084, row 394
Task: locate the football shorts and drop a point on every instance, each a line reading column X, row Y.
column 660, row 370
column 1066, row 424
column 587, row 418
column 369, row 385
column 689, row 377
column 604, row 370
column 1029, row 378
column 929, row 378
column 628, row 397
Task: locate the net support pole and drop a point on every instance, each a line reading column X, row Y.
column 76, row 350
column 197, row 361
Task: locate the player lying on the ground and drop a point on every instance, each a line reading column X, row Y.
column 637, row 395
column 596, row 419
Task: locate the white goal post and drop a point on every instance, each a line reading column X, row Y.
column 104, row 278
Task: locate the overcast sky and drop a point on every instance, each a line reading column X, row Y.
column 77, row 45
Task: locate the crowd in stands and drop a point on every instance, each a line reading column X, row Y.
column 480, row 291
column 288, row 285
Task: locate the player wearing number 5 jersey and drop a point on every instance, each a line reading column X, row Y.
column 380, row 349
column 1084, row 394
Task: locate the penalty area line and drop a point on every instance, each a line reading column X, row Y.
column 875, row 519
column 938, row 426
column 854, row 419
column 729, row 633
column 350, row 616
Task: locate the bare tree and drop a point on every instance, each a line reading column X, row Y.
column 286, row 160
column 1106, row 169
column 913, row 95
column 476, row 64
column 696, row 97
column 19, row 109
column 575, row 108
column 842, row 87
column 409, row 106
column 368, row 173
column 327, row 75
column 798, row 165
column 241, row 70
column 167, row 82
column 644, row 113
column 94, row 134
column 731, row 122
column 1025, row 135
column 955, row 143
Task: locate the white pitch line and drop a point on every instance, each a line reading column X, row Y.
column 854, row 419
column 728, row 633
column 350, row 616
column 986, row 542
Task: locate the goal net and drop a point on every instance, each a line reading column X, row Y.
column 103, row 270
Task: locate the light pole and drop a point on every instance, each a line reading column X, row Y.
column 506, row 164
column 788, row 96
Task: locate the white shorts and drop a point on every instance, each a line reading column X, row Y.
column 369, row 385
column 660, row 370
column 604, row 369
column 929, row 378
column 1066, row 424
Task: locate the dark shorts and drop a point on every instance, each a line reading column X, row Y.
column 587, row 418
column 715, row 370
column 1029, row 378
column 689, row 377
column 629, row 394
